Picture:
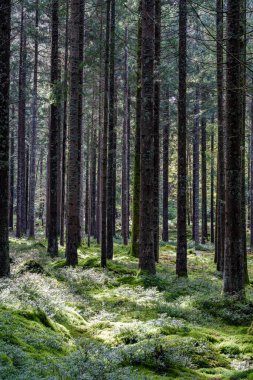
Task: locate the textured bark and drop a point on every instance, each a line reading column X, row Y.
column 104, row 144
column 220, row 198
column 87, row 179
column 5, row 15
column 111, row 137
column 212, row 185
column 74, row 160
column 125, row 152
column 147, row 257
column 11, row 177
column 93, row 166
column 251, row 175
column 64, row 128
column 41, row 196
column 243, row 119
column 204, row 235
column 21, row 177
column 157, row 126
column 181, row 262
column 166, row 133
column 234, row 260
column 136, row 180
column 33, row 149
column 195, row 161
column 53, row 138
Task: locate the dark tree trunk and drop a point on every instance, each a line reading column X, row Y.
column 212, row 185
column 146, row 256
column 74, row 158
column 166, row 133
column 243, row 119
column 104, row 144
column 251, row 175
column 157, row 127
column 125, row 153
column 136, row 180
column 87, row 179
column 21, row 176
column 5, row 18
column 33, row 149
column 220, row 198
column 41, row 197
column 196, row 138
column 53, row 138
column 234, row 258
column 93, row 166
column 64, row 128
column 11, row 177
column 204, row 235
column 111, row 137
column 181, row 264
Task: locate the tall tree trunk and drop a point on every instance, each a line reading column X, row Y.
column 33, row 149
column 136, row 180
column 166, row 133
column 234, row 258
column 146, row 256
column 212, row 185
column 21, row 177
column 93, row 166
column 111, row 137
column 243, row 119
column 204, row 235
column 220, row 199
column 64, row 128
column 11, row 176
column 251, row 174
column 74, row 159
column 181, row 263
column 104, row 144
column 125, row 146
column 196, row 138
column 5, row 31
column 157, row 126
column 53, row 137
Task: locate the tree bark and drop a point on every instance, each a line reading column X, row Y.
column 204, row 235
column 181, row 262
column 166, row 133
column 234, row 258
column 196, row 138
column 74, row 159
column 53, row 137
column 212, row 184
column 147, row 256
column 33, row 149
column 157, row 126
column 5, row 31
column 21, row 176
column 111, row 137
column 136, row 180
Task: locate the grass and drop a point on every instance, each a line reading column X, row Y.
column 88, row 323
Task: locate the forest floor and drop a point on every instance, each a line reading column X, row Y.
column 89, row 323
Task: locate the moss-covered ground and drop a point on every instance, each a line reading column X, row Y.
column 88, row 323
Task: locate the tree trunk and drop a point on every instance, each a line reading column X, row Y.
column 147, row 257
column 104, row 144
column 21, row 176
column 212, row 184
column 64, row 128
column 204, row 235
column 5, row 31
column 111, row 137
column 33, row 149
column 220, row 198
column 53, row 138
column 74, row 159
column 157, row 127
column 136, row 180
column 125, row 146
column 166, row 133
column 196, row 138
column 234, row 258
column 181, row 263
column 11, row 176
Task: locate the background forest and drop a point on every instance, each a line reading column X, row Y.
column 126, row 189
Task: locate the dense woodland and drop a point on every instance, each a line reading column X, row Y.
column 126, row 189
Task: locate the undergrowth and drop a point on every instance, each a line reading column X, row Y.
column 67, row 323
